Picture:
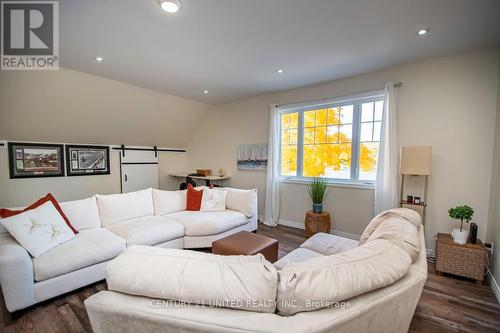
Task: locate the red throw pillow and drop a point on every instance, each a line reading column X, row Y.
column 193, row 198
column 4, row 212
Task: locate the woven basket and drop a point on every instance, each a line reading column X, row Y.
column 460, row 259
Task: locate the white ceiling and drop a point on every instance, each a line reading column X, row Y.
column 233, row 47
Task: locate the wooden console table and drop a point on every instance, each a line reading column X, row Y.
column 315, row 223
column 467, row 260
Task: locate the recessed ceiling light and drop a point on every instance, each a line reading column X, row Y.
column 280, row 71
column 205, row 91
column 170, row 6
column 423, row 32
column 99, row 59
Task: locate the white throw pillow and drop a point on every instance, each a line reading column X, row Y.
column 244, row 201
column 213, row 200
column 83, row 214
column 167, row 202
column 39, row 230
column 114, row 208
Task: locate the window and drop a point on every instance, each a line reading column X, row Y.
column 337, row 140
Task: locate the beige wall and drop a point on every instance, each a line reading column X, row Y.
column 66, row 106
column 494, row 216
column 448, row 103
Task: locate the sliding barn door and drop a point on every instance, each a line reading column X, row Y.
column 139, row 170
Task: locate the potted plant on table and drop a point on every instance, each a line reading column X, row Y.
column 464, row 214
column 316, row 189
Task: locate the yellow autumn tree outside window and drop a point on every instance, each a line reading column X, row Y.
column 327, row 141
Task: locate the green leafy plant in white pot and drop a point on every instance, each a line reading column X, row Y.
column 464, row 214
column 316, row 189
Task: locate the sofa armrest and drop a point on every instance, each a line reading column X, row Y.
column 16, row 275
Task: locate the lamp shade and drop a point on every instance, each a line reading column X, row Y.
column 416, row 160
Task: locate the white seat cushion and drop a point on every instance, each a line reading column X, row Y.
column 90, row 247
column 148, row 230
column 83, row 214
column 328, row 244
column 297, row 255
column 208, row 223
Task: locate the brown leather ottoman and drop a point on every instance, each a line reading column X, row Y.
column 247, row 243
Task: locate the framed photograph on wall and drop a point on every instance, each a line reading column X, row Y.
column 87, row 160
column 29, row 160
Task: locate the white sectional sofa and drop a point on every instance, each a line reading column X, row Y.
column 376, row 282
column 107, row 225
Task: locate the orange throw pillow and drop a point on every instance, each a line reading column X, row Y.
column 4, row 212
column 193, row 198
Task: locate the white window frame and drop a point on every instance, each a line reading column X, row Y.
column 356, row 101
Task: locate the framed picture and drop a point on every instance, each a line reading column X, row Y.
column 252, row 157
column 28, row 160
column 87, row 160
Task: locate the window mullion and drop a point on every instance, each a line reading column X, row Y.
column 300, row 145
column 356, row 132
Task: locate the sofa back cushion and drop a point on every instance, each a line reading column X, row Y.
column 320, row 282
column 399, row 232
column 242, row 282
column 115, row 208
column 244, row 201
column 167, row 202
column 83, row 214
column 409, row 215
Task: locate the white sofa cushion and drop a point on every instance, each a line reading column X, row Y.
column 115, row 208
column 297, row 255
column 208, row 223
column 213, row 200
column 242, row 282
column 90, row 247
column 39, row 230
column 322, row 281
column 244, row 201
column 166, row 202
column 401, row 233
column 148, row 230
column 328, row 244
column 83, row 214
column 408, row 214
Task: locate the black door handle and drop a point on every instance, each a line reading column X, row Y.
column 126, row 178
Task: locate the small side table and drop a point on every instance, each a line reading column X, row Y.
column 317, row 223
column 467, row 260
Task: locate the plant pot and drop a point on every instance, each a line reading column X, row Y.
column 460, row 237
column 317, row 208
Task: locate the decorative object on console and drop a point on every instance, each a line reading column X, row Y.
column 222, row 172
column 4, row 212
column 35, row 160
column 317, row 222
column 473, row 233
column 87, row 160
column 415, row 164
column 464, row 214
column 409, row 198
column 252, row 157
column 193, row 198
column 316, row 189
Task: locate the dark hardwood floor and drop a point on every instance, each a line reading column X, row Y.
column 447, row 304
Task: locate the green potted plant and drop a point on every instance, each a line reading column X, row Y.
column 316, row 189
column 464, row 214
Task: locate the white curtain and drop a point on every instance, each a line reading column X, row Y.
column 272, row 209
column 386, row 190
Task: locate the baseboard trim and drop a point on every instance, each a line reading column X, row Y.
column 494, row 286
column 300, row 225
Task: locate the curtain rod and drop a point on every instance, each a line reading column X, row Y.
column 327, row 100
